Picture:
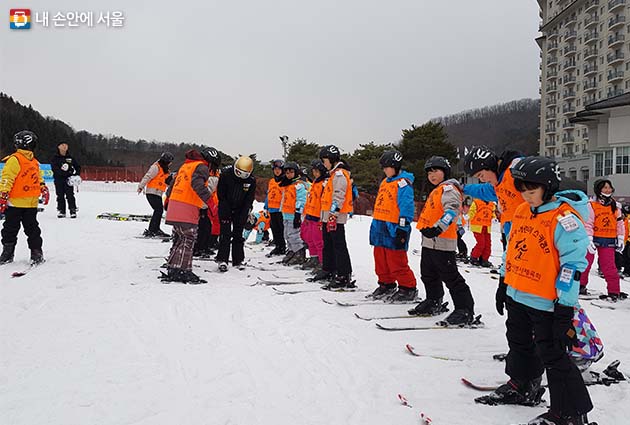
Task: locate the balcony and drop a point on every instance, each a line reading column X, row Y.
column 569, row 79
column 568, row 126
column 551, row 88
column 570, row 35
column 550, row 129
column 614, row 92
column 570, row 50
column 590, row 69
column 615, row 76
column 590, row 53
column 591, row 37
column 591, row 5
column 590, row 85
column 570, row 65
column 568, row 139
column 586, row 100
column 591, row 21
column 568, row 94
column 551, row 60
column 551, row 47
column 551, row 116
column 550, row 142
column 551, row 101
column 568, row 109
column 552, row 35
column 552, row 74
column 617, row 21
column 615, row 4
column 616, row 39
column 571, row 20
column 616, row 57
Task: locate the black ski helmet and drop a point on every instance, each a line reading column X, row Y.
column 166, row 157
column 540, row 170
column 439, row 162
column 480, row 158
column 212, row 156
column 599, row 184
column 317, row 164
column 292, row 166
column 625, row 208
column 277, row 163
column 25, row 139
column 331, row 152
column 391, row 158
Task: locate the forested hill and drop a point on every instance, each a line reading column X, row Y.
column 513, row 125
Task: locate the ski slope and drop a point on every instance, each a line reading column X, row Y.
column 93, row 337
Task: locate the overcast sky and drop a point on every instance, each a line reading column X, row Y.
column 237, row 74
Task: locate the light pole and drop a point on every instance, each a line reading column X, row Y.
column 284, row 140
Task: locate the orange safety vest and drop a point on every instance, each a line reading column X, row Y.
column 386, row 204
column 627, row 227
column 274, row 194
column 263, row 219
column 182, row 188
column 327, row 195
column 313, row 205
column 509, row 198
column 605, row 222
column 27, row 182
column 288, row 198
column 433, row 211
column 158, row 182
column 483, row 213
column 532, row 261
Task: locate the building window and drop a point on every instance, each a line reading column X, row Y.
column 603, row 163
column 622, row 161
column 573, row 174
column 585, row 175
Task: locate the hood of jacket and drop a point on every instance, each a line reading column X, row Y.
column 575, row 198
column 402, row 175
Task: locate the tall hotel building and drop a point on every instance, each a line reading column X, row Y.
column 585, row 88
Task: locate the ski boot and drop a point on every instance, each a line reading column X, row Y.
column 384, row 291
column 486, row 264
column 73, row 214
column 403, row 295
column 583, row 290
column 61, row 214
column 322, row 276
column 310, row 264
column 459, row 317
column 8, row 251
column 475, row 262
column 342, row 282
column 187, row 276
column 612, row 372
column 429, row 307
column 614, row 297
column 223, row 266
column 298, row 258
column 162, row 234
column 515, row 392
column 148, row 233
column 287, row 257
column 275, row 251
column 37, row 256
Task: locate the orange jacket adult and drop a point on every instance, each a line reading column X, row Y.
column 189, row 191
column 22, row 179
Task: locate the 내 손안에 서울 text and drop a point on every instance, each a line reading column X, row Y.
column 21, row 19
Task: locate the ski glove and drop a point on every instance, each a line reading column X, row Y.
column 297, row 220
column 620, row 244
column 563, row 330
column 45, row 194
column 401, row 237
column 501, row 296
column 592, row 249
column 331, row 226
column 4, row 201
column 431, row 232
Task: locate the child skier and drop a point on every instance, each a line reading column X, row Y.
column 259, row 221
column 336, row 204
column 437, row 223
column 546, row 253
column 21, row 184
column 64, row 167
column 154, row 185
column 480, row 215
column 390, row 231
column 293, row 200
column 272, row 204
column 606, row 232
column 310, row 231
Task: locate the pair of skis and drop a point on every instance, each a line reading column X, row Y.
column 475, row 324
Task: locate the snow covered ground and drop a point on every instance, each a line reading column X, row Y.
column 93, row 337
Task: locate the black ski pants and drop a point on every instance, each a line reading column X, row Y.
column 277, row 229
column 462, row 249
column 534, row 349
column 336, row 258
column 156, row 203
column 65, row 191
column 203, row 234
column 27, row 217
column 437, row 267
column 231, row 235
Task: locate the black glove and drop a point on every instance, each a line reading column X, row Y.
column 402, row 236
column 563, row 331
column 501, row 296
column 297, row 220
column 431, row 232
